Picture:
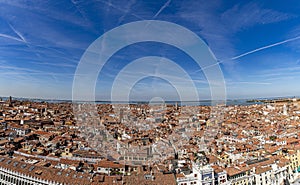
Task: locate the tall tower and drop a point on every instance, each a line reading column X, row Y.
column 284, row 112
column 121, row 116
column 1, row 104
column 10, row 101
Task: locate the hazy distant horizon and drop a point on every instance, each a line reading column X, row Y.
column 137, row 101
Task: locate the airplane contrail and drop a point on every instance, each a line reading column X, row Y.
column 265, row 47
column 252, row 51
column 10, row 37
column 18, row 33
column 23, row 39
column 161, row 9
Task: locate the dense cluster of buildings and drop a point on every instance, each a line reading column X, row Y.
column 43, row 143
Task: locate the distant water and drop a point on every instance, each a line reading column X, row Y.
column 192, row 103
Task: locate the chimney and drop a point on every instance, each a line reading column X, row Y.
column 139, row 170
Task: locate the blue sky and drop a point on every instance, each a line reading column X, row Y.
column 256, row 42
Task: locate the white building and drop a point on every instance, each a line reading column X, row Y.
column 201, row 175
column 263, row 175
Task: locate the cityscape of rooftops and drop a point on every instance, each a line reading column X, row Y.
column 144, row 92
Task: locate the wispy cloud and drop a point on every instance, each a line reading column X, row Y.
column 280, row 71
column 248, row 83
column 46, row 16
column 242, row 16
column 47, row 8
column 110, row 4
column 20, row 35
column 6, row 66
column 27, row 73
column 280, row 75
column 56, row 64
column 127, row 10
column 219, row 28
column 75, row 3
